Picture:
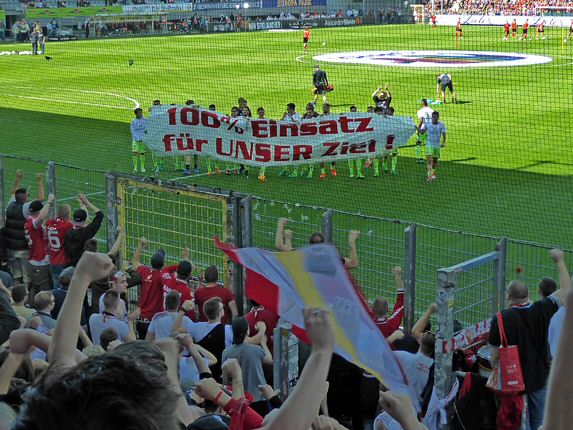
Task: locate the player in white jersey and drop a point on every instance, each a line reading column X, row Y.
column 436, row 131
column 138, row 128
column 424, row 117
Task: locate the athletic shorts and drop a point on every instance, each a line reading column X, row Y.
column 524, row 31
column 449, row 86
column 304, row 40
column 138, row 147
column 433, row 152
column 321, row 89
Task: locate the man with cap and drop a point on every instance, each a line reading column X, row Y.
column 151, row 296
column 16, row 216
column 39, row 259
column 180, row 283
column 76, row 238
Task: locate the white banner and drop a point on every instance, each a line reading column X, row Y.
column 258, row 142
column 159, row 8
column 550, row 21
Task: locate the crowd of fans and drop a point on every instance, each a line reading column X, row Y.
column 491, row 7
column 74, row 356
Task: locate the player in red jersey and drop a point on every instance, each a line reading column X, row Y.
column 56, row 230
column 35, row 234
column 459, row 32
column 306, row 38
column 433, row 21
column 506, row 30
column 514, row 28
column 180, row 283
column 525, row 30
column 151, row 298
column 540, row 31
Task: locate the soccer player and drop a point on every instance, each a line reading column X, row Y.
column 41, row 41
column 326, row 111
column 261, row 115
column 34, row 41
column 291, row 115
column 210, row 171
column 138, row 128
column 540, row 32
column 306, row 38
column 506, row 31
column 424, row 118
column 525, row 30
column 157, row 109
column 357, row 161
column 187, row 171
column 436, row 131
column 459, row 32
column 309, row 114
column 445, row 82
column 514, row 28
column 433, row 21
column 320, row 82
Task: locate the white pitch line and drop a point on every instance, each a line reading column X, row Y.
column 302, row 60
column 65, row 199
column 66, row 101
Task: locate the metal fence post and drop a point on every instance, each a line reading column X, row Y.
column 409, row 277
column 285, row 363
column 247, row 221
column 445, row 319
column 2, row 201
column 327, row 225
column 499, row 275
column 51, row 181
column 237, row 281
column 111, row 212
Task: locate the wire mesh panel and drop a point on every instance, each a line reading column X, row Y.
column 172, row 219
column 302, row 220
column 380, row 248
column 30, row 168
column 436, row 248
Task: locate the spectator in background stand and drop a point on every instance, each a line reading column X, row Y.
column 20, row 297
column 40, row 278
column 151, row 297
column 56, row 230
column 251, row 359
column 44, row 303
column 259, row 314
column 547, row 286
column 61, row 292
column 107, row 319
column 389, row 324
column 180, row 283
column 161, row 325
column 526, row 325
column 213, row 289
column 76, row 238
column 17, row 214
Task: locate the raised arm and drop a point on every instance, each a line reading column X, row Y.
column 117, row 244
column 421, row 324
column 23, row 339
column 301, row 407
column 268, row 358
column 280, row 243
column 17, row 179
column 136, row 260
column 131, row 319
column 558, row 256
column 87, row 203
column 91, row 267
column 197, row 353
column 558, row 410
column 45, row 212
column 186, row 306
column 352, row 261
column 40, row 181
column 232, row 371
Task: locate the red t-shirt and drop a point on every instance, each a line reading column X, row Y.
column 151, row 298
column 389, row 325
column 506, row 28
column 170, row 282
column 202, row 294
column 268, row 317
column 34, row 232
column 57, row 229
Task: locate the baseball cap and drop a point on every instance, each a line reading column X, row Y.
column 35, row 206
column 158, row 259
column 80, row 215
column 184, row 268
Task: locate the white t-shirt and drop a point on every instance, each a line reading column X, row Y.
column 99, row 322
column 101, row 307
column 295, row 117
column 162, row 324
column 417, row 370
column 555, row 327
column 198, row 330
column 435, row 132
column 426, row 114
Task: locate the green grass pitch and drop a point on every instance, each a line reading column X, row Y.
column 506, row 171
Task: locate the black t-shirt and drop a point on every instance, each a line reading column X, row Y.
column 527, row 327
column 319, row 78
column 75, row 240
